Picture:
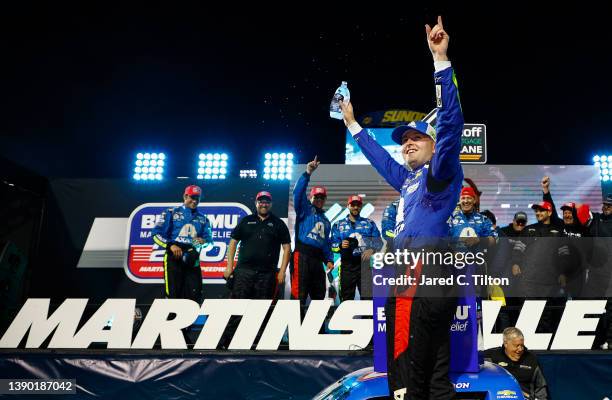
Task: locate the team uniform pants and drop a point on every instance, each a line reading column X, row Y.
column 418, row 347
column 181, row 281
column 307, row 273
column 253, row 284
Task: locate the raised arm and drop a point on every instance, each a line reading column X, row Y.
column 449, row 124
column 393, row 172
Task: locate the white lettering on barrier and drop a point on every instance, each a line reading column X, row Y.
column 566, row 336
column 490, row 310
column 34, row 316
column 286, row 315
column 34, row 321
column 219, row 312
column 156, row 324
column 527, row 322
column 573, row 322
column 118, row 336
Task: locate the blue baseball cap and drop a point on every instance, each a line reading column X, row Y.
column 425, row 126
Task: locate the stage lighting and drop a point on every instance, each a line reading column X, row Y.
column 212, row 165
column 604, row 165
column 277, row 166
column 148, row 166
column 248, row 173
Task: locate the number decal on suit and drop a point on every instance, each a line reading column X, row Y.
column 317, row 232
column 188, row 230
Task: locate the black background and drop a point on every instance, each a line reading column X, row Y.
column 83, row 89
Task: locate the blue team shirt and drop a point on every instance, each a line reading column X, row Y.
column 363, row 229
column 181, row 225
column 470, row 225
column 312, row 226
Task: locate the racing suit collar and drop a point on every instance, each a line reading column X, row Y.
column 193, row 211
column 357, row 218
column 471, row 214
column 417, row 169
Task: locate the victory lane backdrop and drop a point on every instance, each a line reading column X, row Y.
column 79, row 210
column 144, row 262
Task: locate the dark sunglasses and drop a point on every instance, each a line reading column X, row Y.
column 320, row 197
column 194, row 198
column 520, row 222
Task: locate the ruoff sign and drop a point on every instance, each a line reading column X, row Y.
column 474, row 144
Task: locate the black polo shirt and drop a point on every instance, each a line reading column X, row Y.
column 260, row 241
column 526, row 370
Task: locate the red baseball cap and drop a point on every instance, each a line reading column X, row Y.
column 468, row 191
column 584, row 213
column 318, row 190
column 544, row 205
column 569, row 206
column 263, row 194
column 193, row 190
column 356, row 198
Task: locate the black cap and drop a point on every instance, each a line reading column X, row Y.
column 608, row 199
column 520, row 215
column 489, row 215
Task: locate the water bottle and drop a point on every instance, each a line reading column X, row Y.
column 341, row 94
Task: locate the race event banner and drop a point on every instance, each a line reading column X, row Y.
column 144, row 262
column 473, row 145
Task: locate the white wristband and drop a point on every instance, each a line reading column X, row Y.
column 441, row 65
column 354, row 128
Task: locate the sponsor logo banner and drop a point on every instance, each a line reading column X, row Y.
column 145, row 259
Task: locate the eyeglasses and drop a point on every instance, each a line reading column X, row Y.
column 194, row 198
column 319, row 197
column 520, row 223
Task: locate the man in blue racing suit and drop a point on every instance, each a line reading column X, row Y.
column 182, row 231
column 312, row 240
column 356, row 239
column 467, row 226
column 417, row 326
